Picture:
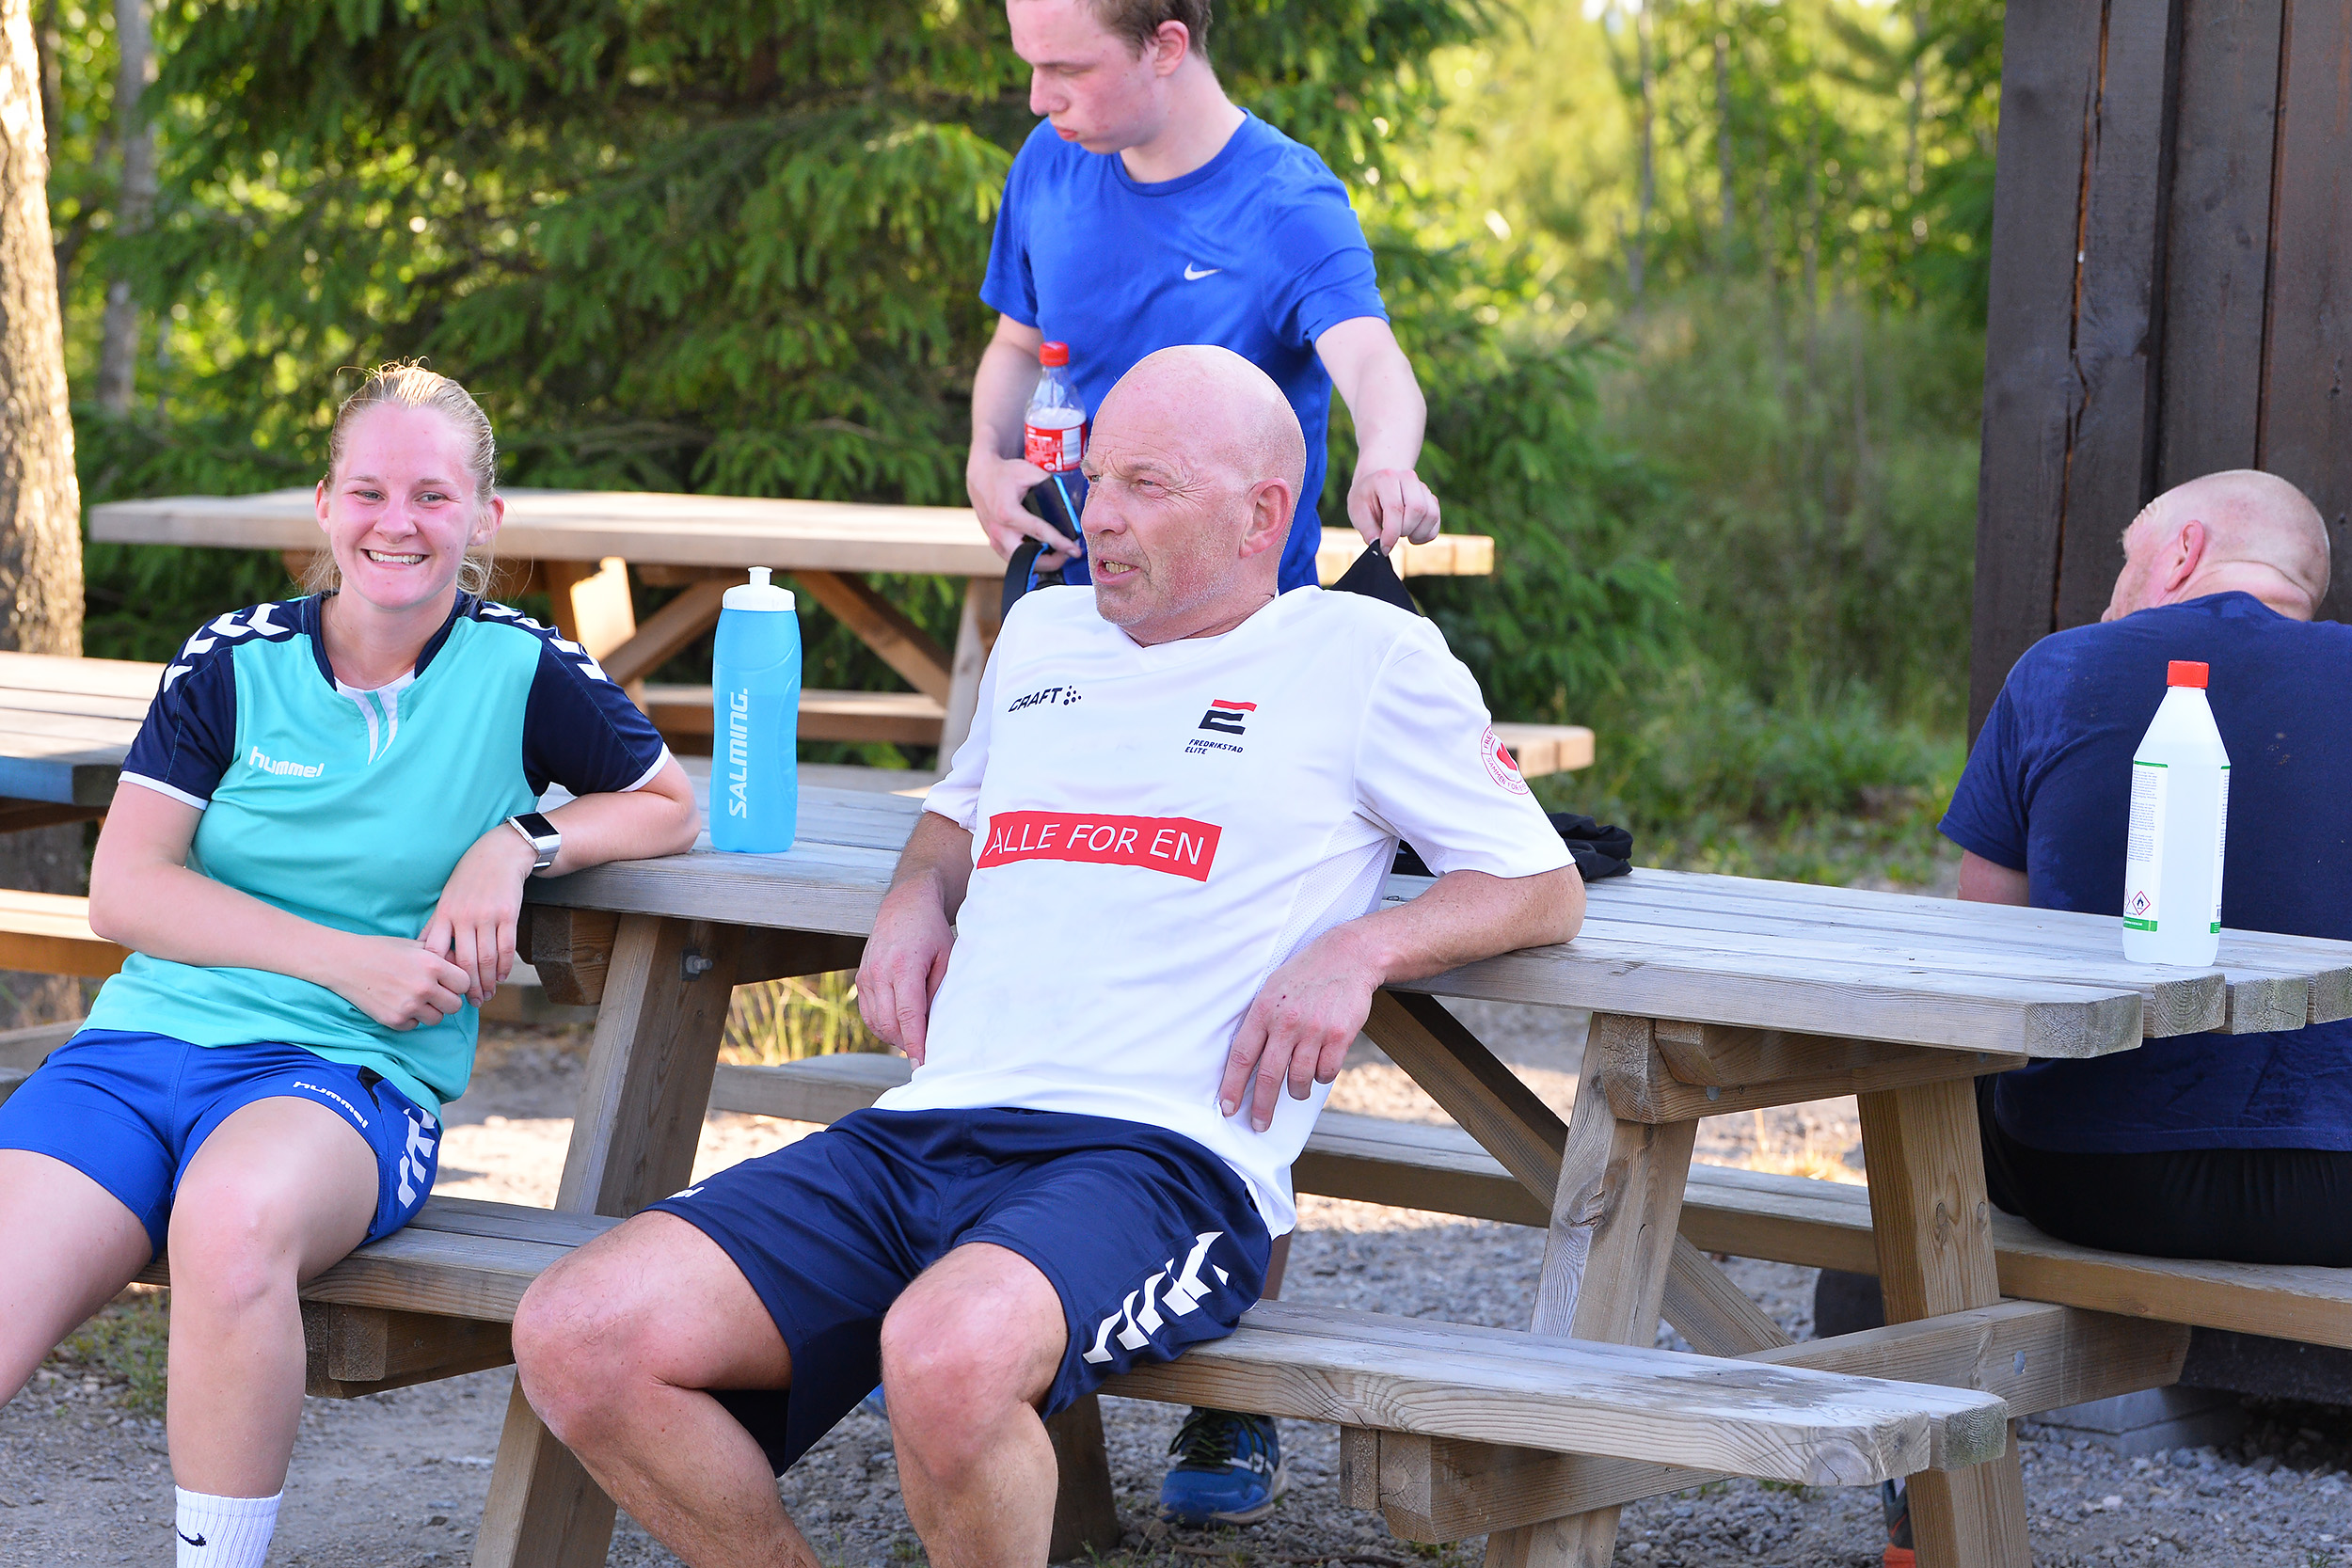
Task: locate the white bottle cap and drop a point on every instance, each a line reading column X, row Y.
column 758, row 594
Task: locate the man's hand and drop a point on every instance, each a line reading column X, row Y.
column 996, row 485
column 1297, row 1031
column 473, row 924
column 1389, row 504
column 906, row 959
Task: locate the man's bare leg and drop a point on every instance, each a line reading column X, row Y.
column 614, row 1345
column 968, row 1353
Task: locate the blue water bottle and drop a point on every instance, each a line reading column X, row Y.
column 755, row 717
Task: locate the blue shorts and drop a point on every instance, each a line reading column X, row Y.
column 1150, row 1241
column 129, row 1110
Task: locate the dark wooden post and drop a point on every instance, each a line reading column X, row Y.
column 2171, row 288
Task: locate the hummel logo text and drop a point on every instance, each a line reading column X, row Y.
column 264, row 763
column 1193, row 274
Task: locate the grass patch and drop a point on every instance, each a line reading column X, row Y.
column 788, row 1021
column 125, row 1347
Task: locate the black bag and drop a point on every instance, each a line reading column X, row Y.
column 1371, row 574
column 1599, row 849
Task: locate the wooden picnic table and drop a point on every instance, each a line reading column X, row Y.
column 578, row 546
column 1710, row 994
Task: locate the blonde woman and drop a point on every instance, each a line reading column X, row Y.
column 317, row 856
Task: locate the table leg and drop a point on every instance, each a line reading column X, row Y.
column 1606, row 1261
column 1928, row 1206
column 1086, row 1516
column 640, row 1116
column 976, row 634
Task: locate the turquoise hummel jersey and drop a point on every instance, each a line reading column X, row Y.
column 350, row 808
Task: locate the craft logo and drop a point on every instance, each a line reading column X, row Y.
column 1500, row 766
column 1176, row 845
column 1060, row 696
column 1227, row 718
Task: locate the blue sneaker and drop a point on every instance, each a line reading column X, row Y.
column 1227, row 1471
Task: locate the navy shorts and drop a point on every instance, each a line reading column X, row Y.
column 129, row 1110
column 1150, row 1241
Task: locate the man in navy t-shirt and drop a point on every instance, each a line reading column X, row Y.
column 1149, row 211
column 2203, row 1146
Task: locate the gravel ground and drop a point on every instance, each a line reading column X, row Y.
column 399, row 1479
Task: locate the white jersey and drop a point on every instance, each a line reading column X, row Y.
column 1154, row 831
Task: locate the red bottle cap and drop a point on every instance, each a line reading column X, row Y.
column 1053, row 353
column 2184, row 671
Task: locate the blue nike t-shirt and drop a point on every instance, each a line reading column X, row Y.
column 350, row 808
column 1256, row 251
column 2047, row 791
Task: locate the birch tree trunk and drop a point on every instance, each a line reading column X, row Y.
column 119, row 345
column 41, row 504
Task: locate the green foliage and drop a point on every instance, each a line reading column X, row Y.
column 1711, row 779
column 736, row 247
column 1823, row 471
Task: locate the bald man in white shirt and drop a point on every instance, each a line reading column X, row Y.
column 1127, row 947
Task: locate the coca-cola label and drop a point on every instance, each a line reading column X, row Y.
column 1057, row 448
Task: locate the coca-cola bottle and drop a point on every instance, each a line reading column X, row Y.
column 1052, row 438
column 1054, row 431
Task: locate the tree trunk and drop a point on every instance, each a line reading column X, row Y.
column 40, row 505
column 119, row 344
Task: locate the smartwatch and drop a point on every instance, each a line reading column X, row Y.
column 540, row 834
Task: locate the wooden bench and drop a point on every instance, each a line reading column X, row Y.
column 48, row 933
column 435, row 1300
column 1785, row 1219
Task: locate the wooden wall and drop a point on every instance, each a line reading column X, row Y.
column 2171, row 288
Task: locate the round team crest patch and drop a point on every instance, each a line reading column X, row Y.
column 1500, row 766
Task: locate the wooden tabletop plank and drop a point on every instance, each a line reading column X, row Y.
column 2263, row 969
column 98, row 678
column 735, row 531
column 837, row 889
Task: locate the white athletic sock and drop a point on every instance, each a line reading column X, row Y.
column 224, row 1532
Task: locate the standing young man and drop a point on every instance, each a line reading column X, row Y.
column 1149, row 210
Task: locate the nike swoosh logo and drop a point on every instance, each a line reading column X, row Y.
column 191, row 1540
column 1192, row 273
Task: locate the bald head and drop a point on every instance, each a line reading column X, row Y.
column 1194, row 471
column 2240, row 530
column 1231, row 411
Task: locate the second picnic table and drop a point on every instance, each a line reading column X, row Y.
column 579, row 546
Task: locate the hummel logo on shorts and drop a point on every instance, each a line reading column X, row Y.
column 1135, row 1328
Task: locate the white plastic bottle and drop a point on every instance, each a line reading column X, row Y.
column 2179, row 825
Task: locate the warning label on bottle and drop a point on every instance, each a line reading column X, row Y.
column 2142, row 867
column 2220, row 842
